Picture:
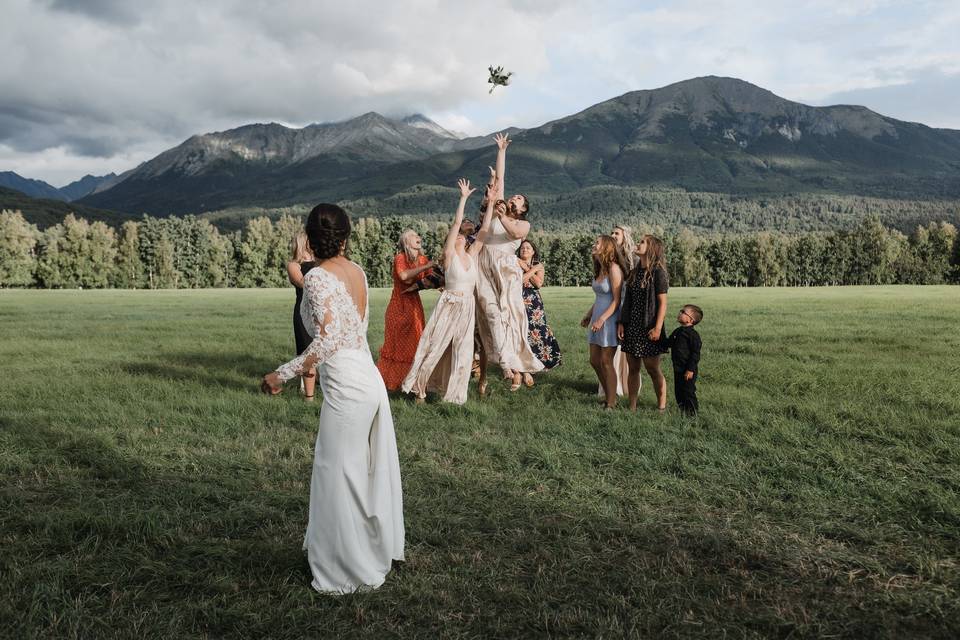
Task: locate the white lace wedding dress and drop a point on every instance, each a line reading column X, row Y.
column 355, row 528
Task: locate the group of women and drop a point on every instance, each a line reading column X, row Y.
column 490, row 281
column 490, row 309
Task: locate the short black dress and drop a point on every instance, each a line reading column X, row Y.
column 299, row 331
column 639, row 314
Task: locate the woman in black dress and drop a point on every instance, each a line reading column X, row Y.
column 641, row 319
column 301, row 261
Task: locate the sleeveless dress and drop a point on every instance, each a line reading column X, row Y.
column 502, row 316
column 355, row 526
column 542, row 341
column 607, row 336
column 445, row 354
column 402, row 325
column 300, row 333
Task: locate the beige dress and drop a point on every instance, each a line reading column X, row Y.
column 445, row 352
column 502, row 316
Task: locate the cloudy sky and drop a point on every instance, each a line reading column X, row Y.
column 93, row 86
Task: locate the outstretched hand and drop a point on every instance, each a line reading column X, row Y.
column 491, row 189
column 502, row 140
column 465, row 189
column 270, row 384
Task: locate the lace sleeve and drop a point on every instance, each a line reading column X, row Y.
column 317, row 307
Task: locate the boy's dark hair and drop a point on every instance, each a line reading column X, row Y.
column 694, row 312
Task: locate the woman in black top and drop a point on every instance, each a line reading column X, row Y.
column 301, row 262
column 641, row 319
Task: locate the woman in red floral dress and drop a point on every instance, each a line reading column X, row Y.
column 404, row 319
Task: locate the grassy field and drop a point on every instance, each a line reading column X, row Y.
column 149, row 491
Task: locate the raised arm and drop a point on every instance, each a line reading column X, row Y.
column 516, row 229
column 503, row 141
column 484, row 230
column 449, row 247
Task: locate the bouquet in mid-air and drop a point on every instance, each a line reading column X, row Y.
column 498, row 78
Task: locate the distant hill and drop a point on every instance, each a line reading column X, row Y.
column 46, row 212
column 270, row 163
column 27, row 186
column 86, row 185
column 707, row 134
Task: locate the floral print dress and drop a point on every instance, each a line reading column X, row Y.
column 540, row 338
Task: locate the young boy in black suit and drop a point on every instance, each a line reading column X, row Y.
column 685, row 353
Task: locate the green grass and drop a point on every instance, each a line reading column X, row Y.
column 148, row 490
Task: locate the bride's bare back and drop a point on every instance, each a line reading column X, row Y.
column 353, row 280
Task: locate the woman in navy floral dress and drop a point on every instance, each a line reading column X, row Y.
column 541, row 339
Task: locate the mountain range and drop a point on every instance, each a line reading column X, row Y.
column 705, row 134
column 39, row 189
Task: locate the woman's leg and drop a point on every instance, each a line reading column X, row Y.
column 596, row 361
column 609, row 373
column 635, row 368
column 482, row 380
column 656, row 377
column 309, row 385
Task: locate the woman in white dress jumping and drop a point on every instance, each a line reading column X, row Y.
column 501, row 313
column 355, row 526
column 445, row 353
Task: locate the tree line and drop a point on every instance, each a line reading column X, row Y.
column 190, row 252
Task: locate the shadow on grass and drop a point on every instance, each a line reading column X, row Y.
column 233, row 370
column 110, row 542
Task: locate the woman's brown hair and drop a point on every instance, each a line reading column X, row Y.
column 606, row 256
column 656, row 258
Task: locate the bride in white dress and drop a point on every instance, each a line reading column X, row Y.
column 355, row 526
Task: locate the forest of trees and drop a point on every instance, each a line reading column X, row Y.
column 190, row 252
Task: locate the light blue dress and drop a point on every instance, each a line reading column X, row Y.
column 607, row 336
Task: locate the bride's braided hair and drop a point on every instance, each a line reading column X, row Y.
column 328, row 228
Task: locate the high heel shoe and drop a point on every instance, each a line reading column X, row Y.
column 528, row 380
column 516, row 381
column 482, row 388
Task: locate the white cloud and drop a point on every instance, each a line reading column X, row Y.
column 96, row 81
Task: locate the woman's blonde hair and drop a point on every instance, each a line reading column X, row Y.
column 626, row 249
column 405, row 247
column 300, row 248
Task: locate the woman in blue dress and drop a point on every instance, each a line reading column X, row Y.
column 601, row 320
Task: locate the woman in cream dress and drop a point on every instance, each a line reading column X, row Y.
column 625, row 248
column 502, row 316
column 355, row 526
column 445, row 354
